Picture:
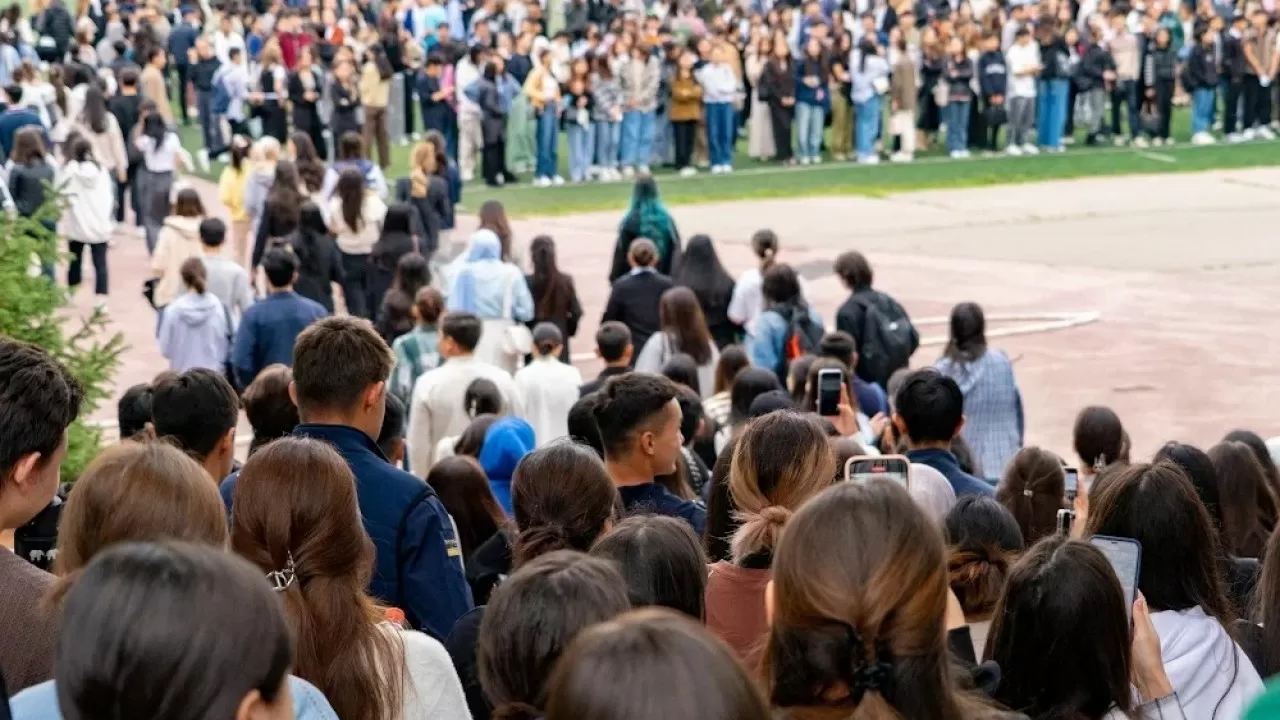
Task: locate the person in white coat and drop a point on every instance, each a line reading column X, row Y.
column 437, row 408
column 548, row 387
column 87, row 221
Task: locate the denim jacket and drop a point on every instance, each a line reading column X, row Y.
column 766, row 336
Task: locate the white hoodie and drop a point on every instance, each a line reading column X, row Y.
column 1205, row 666
column 91, row 200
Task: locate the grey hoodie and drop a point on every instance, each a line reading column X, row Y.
column 195, row 333
column 255, row 194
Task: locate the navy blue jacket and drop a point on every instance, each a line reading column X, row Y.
column 418, row 570
column 11, row 121
column 268, row 330
column 945, row 462
column 656, row 499
column 181, row 39
column 993, row 74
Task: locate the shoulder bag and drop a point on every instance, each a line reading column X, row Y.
column 517, row 340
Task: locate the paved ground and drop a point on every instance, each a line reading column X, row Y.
column 1180, row 269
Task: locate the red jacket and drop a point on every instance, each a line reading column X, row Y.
column 291, row 43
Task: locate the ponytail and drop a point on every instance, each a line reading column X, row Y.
column 765, row 245
column 193, row 275
column 538, row 541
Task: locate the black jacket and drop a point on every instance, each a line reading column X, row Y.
column 428, row 212
column 319, row 266
column 27, row 186
column 851, row 317
column 1233, row 61
column 1055, row 57
column 634, row 303
column 594, row 386
column 56, row 22
column 201, row 73
column 668, row 262
column 1201, row 71
column 1093, row 64
column 776, row 82
column 993, row 74
column 567, row 323
column 493, row 121
column 1160, row 66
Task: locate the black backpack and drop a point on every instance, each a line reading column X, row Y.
column 887, row 339
column 804, row 337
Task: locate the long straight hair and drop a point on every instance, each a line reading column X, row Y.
column 552, row 290
column 968, row 339
column 681, row 318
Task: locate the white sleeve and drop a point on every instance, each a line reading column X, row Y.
column 434, row 689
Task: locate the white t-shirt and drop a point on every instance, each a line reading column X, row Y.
column 548, row 388
column 1020, row 58
column 433, row 690
column 748, row 296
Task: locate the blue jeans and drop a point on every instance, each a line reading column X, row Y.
column 637, row 138
column 1201, row 109
column 607, row 135
column 720, row 133
column 956, row 116
column 581, row 150
column 1051, row 112
column 661, row 151
column 866, row 120
column 548, row 138
column 208, row 123
column 809, row 119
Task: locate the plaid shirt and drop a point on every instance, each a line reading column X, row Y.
column 992, row 408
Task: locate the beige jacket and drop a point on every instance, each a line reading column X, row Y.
column 357, row 242
column 179, row 239
column 374, row 91
column 108, row 146
column 154, row 88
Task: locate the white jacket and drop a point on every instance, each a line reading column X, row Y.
column 1213, row 677
column 436, row 410
column 548, row 389
column 90, row 202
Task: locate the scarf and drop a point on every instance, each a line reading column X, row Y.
column 484, row 247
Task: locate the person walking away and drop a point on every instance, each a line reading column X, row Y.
column 30, row 175
column 639, row 76
column 177, row 240
column 495, row 291
column 548, row 386
column 182, row 43
column 543, row 91
column 470, row 140
column 162, row 151
column 760, row 127
column 1024, row 66
column 606, row 114
column 270, row 328
column 869, row 80
column 375, row 93
column 778, row 90
column 231, row 191
column 154, row 87
column 319, row 259
column 86, row 220
column 702, row 272
column 271, row 93
column 230, row 100
column 555, row 300
column 1159, row 73
column 685, row 113
column 202, row 69
column 576, row 118
column 126, row 107
column 306, row 84
column 880, row 327
column 225, row 278
column 1232, row 76
column 103, row 132
column 812, row 99
column 958, row 74
column 428, row 194
column 418, row 350
column 993, row 80
column 195, row 329
column 1260, row 56
column 1200, row 78
column 720, row 87
column 355, row 218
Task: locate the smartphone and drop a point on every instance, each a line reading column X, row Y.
column 1065, row 519
column 1072, row 481
column 830, row 381
column 1125, row 555
column 862, row 468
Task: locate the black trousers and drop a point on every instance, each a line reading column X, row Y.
column 241, row 127
column 781, row 121
column 1231, row 106
column 356, row 290
column 683, row 133
column 98, row 251
column 121, row 189
column 307, row 119
column 1257, row 103
column 181, row 70
column 493, row 162
column 1164, row 106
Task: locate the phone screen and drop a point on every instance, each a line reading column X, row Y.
column 1072, row 481
column 862, row 468
column 1125, row 556
column 829, row 381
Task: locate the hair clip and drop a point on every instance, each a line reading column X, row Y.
column 281, row 580
column 1027, row 492
column 1099, row 464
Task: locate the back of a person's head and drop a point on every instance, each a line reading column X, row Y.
column 628, row 404
column 482, row 397
column 462, row 329
column 661, row 560
column 582, row 424
column 1156, row 505
column 810, row 401
column 213, row 232
column 1265, row 610
column 682, row 370
column 1062, row 607
column 749, row 384
column 133, row 411
column 642, row 253
column 171, row 631
column 852, row 267
column 391, row 438
column 780, row 284
column 1246, row 503
column 464, row 491
column 984, row 539
column 1098, row 437
column 198, row 409
column 1198, row 468
column 656, row 651
column 280, row 265
column 1033, row 489
column 296, row 518
column 929, row 407
column 561, row 498
column 733, row 360
column 336, row 362
column 38, row 400
column 798, row 377
column 863, row 628
column 269, row 406
column 1262, row 453
column 768, row 486
column 531, row 620
column 138, row 492
column 839, row 345
column 612, row 340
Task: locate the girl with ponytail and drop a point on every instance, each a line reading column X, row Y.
column 765, row 487
column 195, row 329
column 748, row 293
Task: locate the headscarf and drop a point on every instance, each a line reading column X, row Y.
column 506, row 443
column 483, row 245
column 649, row 217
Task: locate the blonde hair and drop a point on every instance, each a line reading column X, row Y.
column 424, row 166
column 767, row 486
column 265, row 149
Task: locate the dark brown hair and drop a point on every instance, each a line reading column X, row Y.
column 561, row 498
column 656, row 651
column 1266, row 607
column 335, row 360
column 1243, row 499
column 552, row 290
column 1033, row 490
column 28, row 145
column 732, row 361
column 269, row 407
column 464, row 490
column 188, row 203
column 493, row 217
column 350, row 192
column 661, row 560
column 295, row 512
column 680, row 317
column 428, row 305
column 310, row 167
column 984, row 541
column 193, row 274
column 1098, row 437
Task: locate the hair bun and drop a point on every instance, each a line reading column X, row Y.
column 516, row 711
column 775, row 515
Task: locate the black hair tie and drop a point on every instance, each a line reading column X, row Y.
column 866, row 676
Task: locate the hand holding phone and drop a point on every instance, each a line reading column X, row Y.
column 1125, row 556
column 862, row 468
column 1071, row 483
column 1149, row 676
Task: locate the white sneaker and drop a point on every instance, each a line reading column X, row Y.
column 1030, row 149
column 727, row 169
column 1235, row 138
column 628, row 172
column 688, row 171
column 956, row 154
column 1140, row 142
column 100, row 304
column 1264, row 133
column 1157, row 142
column 1249, row 134
column 1170, row 142
column 1013, row 150
column 1058, row 149
column 643, row 169
column 1118, row 141
column 804, row 161
column 542, row 182
column 817, row 160
column 1203, row 138
column 557, row 180
column 898, row 157
column 875, row 159
column 964, row 155
column 202, row 159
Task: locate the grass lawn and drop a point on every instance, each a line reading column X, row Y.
column 753, row 179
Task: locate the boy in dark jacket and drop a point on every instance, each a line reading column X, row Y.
column 993, row 79
column 1094, row 76
column 1232, row 76
column 1200, row 78
column 1159, row 67
column 434, row 96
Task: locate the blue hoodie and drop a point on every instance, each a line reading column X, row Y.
column 509, row 439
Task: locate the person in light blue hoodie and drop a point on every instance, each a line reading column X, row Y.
column 506, row 443
column 720, row 87
column 494, row 291
column 195, row 329
column 169, row 631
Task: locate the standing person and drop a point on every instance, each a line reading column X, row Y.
column 841, row 89
column 685, row 112
column 576, row 119
column 902, row 103
column 279, row 217
column 870, row 76
column 395, row 316
column 1260, row 55
column 1159, row 79
column 31, row 176
column 435, row 98
column 375, row 93
column 344, row 95
column 983, row 540
column 418, row 350
column 613, row 347
column 395, row 242
column 179, row 239
column 154, row 87
column 182, row 41
column 86, row 219
column 1024, row 65
column 319, row 259
column 1200, row 78
column 880, row 327
column 493, row 127
column 495, row 291
column 639, row 75
column 647, row 218
column 162, row 151
column 958, row 75
column 681, row 329
column 993, row 79
column 231, row 79
column 787, row 329
column 778, row 90
column 1125, row 92
column 355, row 219
column 306, row 84
column 125, row 106
column 720, row 87
column 40, row 399
column 1052, row 86
column 470, row 142
column 428, row 194
column 760, row 127
column 812, row 100
column 1095, row 73
column 929, row 413
column 555, row 299
column 231, row 191
column 634, row 298
column 320, row 560
column 271, row 93
column 270, row 328
column 548, row 386
column 543, row 91
column 606, row 113
column 748, row 294
column 702, row 272
column 195, row 329
column 1033, row 490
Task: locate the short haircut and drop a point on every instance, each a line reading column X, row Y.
column 196, row 408
column 269, row 407
column 14, row 92
column 129, row 77
column 931, row 406
column 280, row 265
column 133, row 411
column 612, row 340
column 627, row 402
column 780, row 284
column 38, row 400
column 233, row 54
column 213, row 232
column 582, row 424
column 335, row 361
column 462, row 328
column 392, row 422
column 839, row 345
column 853, row 268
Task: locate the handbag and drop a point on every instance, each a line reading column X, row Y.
column 880, row 85
column 517, row 340
column 1149, row 118
column 995, row 115
column 941, row 94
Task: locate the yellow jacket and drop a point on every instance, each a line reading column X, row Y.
column 231, row 190
column 374, row 91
